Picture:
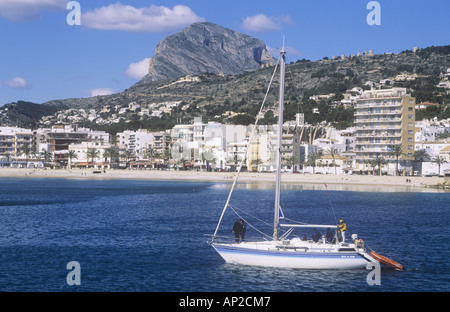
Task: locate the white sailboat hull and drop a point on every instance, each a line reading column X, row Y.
column 266, row 254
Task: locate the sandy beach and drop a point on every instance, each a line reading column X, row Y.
column 307, row 181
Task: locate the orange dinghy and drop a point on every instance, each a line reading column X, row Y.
column 387, row 261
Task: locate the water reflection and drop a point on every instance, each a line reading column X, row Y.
column 377, row 188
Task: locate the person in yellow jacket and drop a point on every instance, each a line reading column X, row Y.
column 342, row 228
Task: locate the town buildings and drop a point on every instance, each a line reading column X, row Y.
column 383, row 119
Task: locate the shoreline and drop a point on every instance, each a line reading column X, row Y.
column 307, row 181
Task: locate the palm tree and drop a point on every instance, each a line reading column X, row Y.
column 439, row 161
column 292, row 160
column 71, row 155
column 8, row 158
column 167, row 155
column 93, row 153
column 233, row 161
column 373, row 164
column 26, row 150
column 312, row 158
column 208, row 157
column 421, row 156
column 379, row 161
column 396, row 151
column 111, row 153
column 333, row 152
column 46, row 155
column 128, row 154
column 151, row 153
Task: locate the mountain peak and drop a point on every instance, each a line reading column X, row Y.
column 206, row 48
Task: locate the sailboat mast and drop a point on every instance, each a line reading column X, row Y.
column 280, row 136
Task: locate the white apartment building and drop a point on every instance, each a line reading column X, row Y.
column 206, row 144
column 384, row 118
column 11, row 141
column 136, row 141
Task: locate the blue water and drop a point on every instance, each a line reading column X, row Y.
column 149, row 236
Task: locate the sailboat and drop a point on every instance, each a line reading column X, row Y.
column 282, row 251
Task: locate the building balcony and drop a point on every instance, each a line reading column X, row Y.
column 365, row 113
column 374, row 105
column 375, row 120
column 372, row 128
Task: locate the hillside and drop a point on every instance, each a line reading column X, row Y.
column 211, row 95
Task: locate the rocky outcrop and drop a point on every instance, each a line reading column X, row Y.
column 206, row 48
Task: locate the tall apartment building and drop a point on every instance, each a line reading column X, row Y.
column 11, row 141
column 136, row 141
column 384, row 118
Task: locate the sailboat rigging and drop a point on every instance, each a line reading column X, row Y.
column 282, row 251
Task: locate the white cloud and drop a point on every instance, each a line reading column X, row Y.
column 16, row 83
column 101, row 91
column 149, row 19
column 22, row 10
column 138, row 70
column 262, row 23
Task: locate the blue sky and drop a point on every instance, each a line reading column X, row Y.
column 42, row 58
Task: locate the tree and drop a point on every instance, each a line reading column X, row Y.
column 333, row 152
column 243, row 119
column 439, row 161
column 111, row 153
column 396, row 151
column 312, row 158
column 26, row 150
column 46, row 155
column 128, row 154
column 8, row 158
column 151, row 153
column 292, row 160
column 92, row 153
column 72, row 155
column 167, row 155
column 373, row 164
column 380, row 162
column 208, row 157
column 421, row 156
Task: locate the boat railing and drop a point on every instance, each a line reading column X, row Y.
column 231, row 239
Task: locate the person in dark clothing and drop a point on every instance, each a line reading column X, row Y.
column 243, row 229
column 236, row 230
column 329, row 236
column 315, row 236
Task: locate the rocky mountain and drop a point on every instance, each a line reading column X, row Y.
column 206, row 48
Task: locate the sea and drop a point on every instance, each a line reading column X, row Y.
column 152, row 236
